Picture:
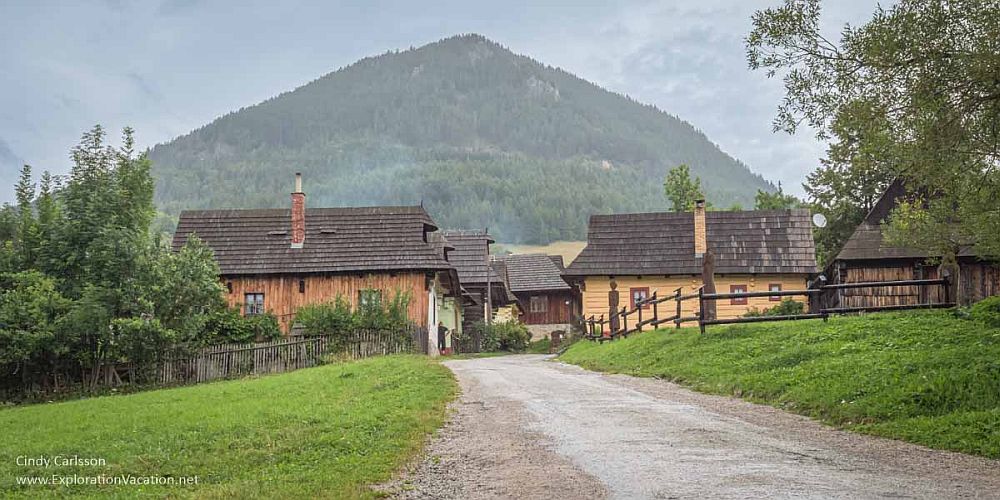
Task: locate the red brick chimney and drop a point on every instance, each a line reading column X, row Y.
column 298, row 214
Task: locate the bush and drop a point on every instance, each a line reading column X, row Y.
column 787, row 307
column 987, row 311
column 502, row 336
column 229, row 326
column 336, row 317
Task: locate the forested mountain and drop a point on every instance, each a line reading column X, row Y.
column 480, row 135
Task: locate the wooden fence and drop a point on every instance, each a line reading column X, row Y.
column 820, row 298
column 225, row 361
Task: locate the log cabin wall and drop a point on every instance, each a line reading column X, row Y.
column 558, row 307
column 282, row 296
column 887, row 296
column 977, row 280
column 596, row 288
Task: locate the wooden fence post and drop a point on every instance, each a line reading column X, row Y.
column 656, row 317
column 624, row 315
column 677, row 323
column 638, row 311
column 701, row 309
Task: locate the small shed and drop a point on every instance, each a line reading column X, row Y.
column 547, row 302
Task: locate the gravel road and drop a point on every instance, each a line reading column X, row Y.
column 526, row 427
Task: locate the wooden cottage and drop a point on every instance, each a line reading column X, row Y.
column 477, row 273
column 867, row 257
column 277, row 260
column 546, row 301
column 755, row 250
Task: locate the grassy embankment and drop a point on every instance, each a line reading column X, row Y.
column 925, row 377
column 321, row 432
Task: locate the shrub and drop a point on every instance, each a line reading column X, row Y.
column 502, row 336
column 229, row 326
column 987, row 311
column 787, row 307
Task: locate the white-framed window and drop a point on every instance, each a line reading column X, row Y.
column 774, row 287
column 538, row 304
column 253, row 303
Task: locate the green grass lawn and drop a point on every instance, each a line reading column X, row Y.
column 321, row 432
column 926, row 377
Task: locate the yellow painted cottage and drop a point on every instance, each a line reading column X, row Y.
column 755, row 250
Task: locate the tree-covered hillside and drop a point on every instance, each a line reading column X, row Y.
column 482, row 136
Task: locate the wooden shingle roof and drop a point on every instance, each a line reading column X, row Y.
column 470, row 254
column 754, row 241
column 868, row 242
column 533, row 273
column 337, row 240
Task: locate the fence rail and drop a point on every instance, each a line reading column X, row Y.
column 819, row 296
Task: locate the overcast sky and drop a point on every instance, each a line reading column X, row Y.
column 167, row 67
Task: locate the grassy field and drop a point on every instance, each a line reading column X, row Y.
column 568, row 249
column 320, row 432
column 926, row 377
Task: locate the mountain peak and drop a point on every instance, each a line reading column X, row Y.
column 485, row 136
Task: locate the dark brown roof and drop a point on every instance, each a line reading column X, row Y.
column 470, row 255
column 868, row 243
column 754, row 241
column 337, row 240
column 533, row 273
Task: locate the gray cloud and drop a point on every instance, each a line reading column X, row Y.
column 165, row 71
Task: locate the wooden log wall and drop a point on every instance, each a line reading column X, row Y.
column 282, row 296
column 559, row 306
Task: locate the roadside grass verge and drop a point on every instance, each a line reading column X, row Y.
column 539, row 346
column 926, row 377
column 328, row 431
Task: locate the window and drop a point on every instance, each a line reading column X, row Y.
column 253, row 304
column 637, row 294
column 538, row 304
column 738, row 289
column 302, row 286
column 774, row 287
column 369, row 299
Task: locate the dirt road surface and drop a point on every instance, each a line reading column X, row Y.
column 527, row 427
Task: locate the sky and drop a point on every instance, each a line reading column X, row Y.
column 167, row 67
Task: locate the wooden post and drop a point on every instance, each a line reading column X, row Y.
column 677, row 298
column 701, row 309
column 656, row 317
column 624, row 315
column 708, row 279
column 638, row 311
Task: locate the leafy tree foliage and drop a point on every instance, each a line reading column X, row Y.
column 777, row 200
column 912, row 93
column 481, row 136
column 681, row 189
column 82, row 281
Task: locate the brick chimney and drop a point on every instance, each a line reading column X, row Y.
column 298, row 213
column 700, row 240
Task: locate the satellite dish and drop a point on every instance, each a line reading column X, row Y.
column 819, row 220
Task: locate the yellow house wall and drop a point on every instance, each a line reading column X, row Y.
column 595, row 294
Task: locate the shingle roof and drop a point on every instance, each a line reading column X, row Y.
column 470, row 255
column 337, row 240
column 533, row 272
column 754, row 241
column 868, row 243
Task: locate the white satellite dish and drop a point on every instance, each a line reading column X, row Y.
column 819, row 220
